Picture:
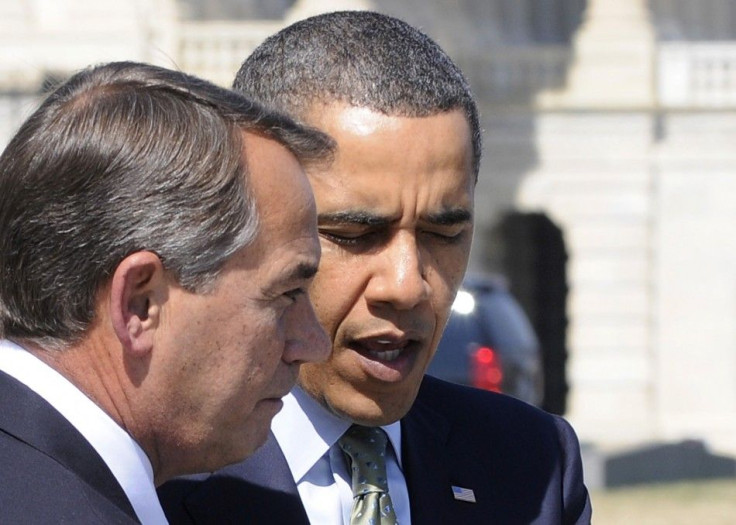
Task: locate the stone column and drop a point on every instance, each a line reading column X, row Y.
column 594, row 179
column 613, row 59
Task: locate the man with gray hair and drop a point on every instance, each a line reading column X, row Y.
column 366, row 437
column 157, row 240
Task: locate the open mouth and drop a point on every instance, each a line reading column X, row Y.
column 387, row 358
column 385, row 350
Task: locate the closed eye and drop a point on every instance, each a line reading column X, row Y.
column 351, row 239
column 448, row 236
column 354, row 228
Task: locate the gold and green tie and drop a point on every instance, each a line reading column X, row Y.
column 365, row 449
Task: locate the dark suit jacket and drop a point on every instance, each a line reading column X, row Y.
column 50, row 473
column 522, row 464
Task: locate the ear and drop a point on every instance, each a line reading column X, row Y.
column 137, row 292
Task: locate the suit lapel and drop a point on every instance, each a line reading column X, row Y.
column 437, row 455
column 268, row 467
column 260, row 490
column 424, row 434
column 29, row 418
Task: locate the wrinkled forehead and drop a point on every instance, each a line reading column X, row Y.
column 395, row 165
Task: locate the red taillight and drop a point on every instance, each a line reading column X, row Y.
column 486, row 369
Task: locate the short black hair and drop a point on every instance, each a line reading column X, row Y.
column 362, row 58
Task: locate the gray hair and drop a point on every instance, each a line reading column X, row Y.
column 362, row 58
column 121, row 158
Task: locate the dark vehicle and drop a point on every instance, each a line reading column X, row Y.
column 489, row 342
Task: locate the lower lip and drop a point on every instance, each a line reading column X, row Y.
column 389, row 371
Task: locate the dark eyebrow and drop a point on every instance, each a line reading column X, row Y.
column 365, row 218
column 360, row 217
column 449, row 217
column 302, row 271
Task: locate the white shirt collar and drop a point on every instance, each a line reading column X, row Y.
column 305, row 431
column 125, row 458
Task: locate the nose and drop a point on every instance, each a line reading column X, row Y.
column 398, row 276
column 306, row 340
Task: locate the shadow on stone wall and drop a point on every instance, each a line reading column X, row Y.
column 686, row 460
column 656, row 463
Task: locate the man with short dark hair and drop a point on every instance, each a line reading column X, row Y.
column 157, row 239
column 366, row 436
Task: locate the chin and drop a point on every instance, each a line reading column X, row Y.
column 230, row 459
column 372, row 411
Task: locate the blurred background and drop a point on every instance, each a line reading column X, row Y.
column 607, row 195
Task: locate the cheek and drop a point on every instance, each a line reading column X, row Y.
column 334, row 291
column 445, row 280
column 249, row 348
column 454, row 261
column 262, row 346
column 445, row 283
column 450, row 271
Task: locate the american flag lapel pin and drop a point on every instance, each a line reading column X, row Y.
column 463, row 494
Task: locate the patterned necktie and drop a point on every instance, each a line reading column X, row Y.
column 365, row 448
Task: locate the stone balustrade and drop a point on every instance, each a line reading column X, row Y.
column 215, row 50
column 697, row 75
